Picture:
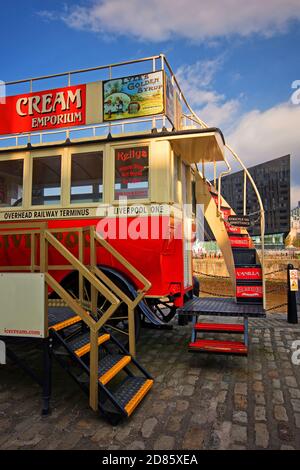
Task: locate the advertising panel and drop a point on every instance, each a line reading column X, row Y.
column 135, row 96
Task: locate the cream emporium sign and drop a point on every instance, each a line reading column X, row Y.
column 62, row 107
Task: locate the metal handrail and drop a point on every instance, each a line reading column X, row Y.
column 86, row 70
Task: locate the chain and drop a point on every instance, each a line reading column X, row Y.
column 277, row 306
column 199, row 273
column 215, row 294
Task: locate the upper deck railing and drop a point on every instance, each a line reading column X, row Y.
column 102, row 72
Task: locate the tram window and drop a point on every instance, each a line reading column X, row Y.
column 132, row 172
column 11, row 182
column 87, row 177
column 46, row 180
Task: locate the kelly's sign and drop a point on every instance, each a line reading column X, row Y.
column 62, row 107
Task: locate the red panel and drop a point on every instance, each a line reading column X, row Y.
column 226, row 327
column 41, row 110
column 160, row 260
column 248, row 274
column 249, row 292
column 231, row 229
column 240, row 242
column 224, row 347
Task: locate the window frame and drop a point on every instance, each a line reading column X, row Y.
column 87, row 149
column 43, row 154
column 17, row 156
column 125, row 145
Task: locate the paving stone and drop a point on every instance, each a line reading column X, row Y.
column 239, row 433
column 148, row 427
column 240, row 389
column 280, row 413
column 261, row 435
column 240, row 417
column 240, row 402
column 296, row 404
column 164, row 443
column 278, row 397
column 137, row 445
column 294, row 392
column 285, row 432
column 258, row 386
column 260, row 413
column 291, row 381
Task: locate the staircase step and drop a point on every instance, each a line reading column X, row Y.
column 248, row 273
column 240, row 241
column 131, row 392
column 219, row 347
column 66, row 323
column 244, row 256
column 110, row 365
column 81, row 345
column 251, row 291
column 222, row 327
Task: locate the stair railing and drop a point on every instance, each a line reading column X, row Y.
column 97, row 239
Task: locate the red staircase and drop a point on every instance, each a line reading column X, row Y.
column 217, row 346
column 248, row 271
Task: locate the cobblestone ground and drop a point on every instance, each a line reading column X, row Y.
column 199, row 401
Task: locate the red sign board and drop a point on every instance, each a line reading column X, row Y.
column 42, row 110
column 249, row 292
column 240, row 242
column 248, row 274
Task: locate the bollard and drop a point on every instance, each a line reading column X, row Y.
column 292, row 316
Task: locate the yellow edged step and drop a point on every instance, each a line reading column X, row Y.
column 66, row 323
column 86, row 349
column 133, row 403
column 105, row 378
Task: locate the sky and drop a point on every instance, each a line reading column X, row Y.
column 235, row 60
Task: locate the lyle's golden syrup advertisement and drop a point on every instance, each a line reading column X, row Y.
column 135, row 96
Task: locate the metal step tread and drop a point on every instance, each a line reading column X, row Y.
column 81, row 344
column 215, row 346
column 58, row 315
column 223, row 327
column 131, row 392
column 110, row 365
column 66, row 323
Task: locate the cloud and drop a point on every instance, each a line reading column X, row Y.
column 159, row 20
column 263, row 135
column 196, row 81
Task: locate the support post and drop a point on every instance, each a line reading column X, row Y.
column 292, row 316
column 131, row 330
column 94, row 359
column 47, row 375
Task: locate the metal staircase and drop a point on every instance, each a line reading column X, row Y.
column 245, row 272
column 123, row 382
column 75, row 332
